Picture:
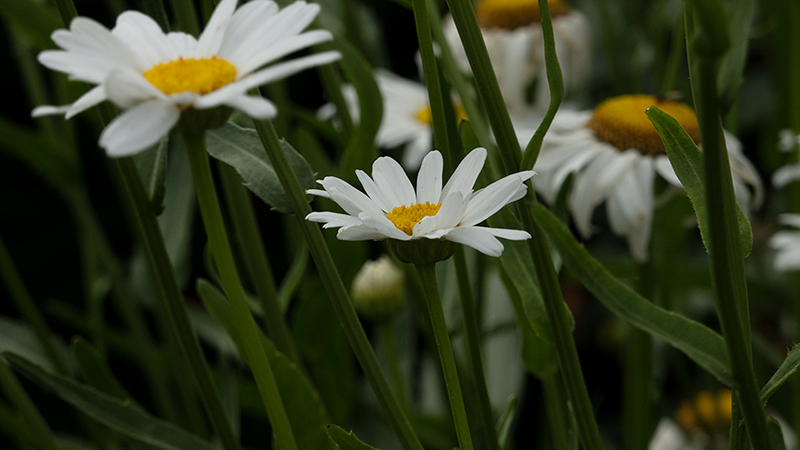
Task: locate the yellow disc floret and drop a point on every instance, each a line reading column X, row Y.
column 424, row 115
column 621, row 122
column 191, row 75
column 511, row 14
column 405, row 217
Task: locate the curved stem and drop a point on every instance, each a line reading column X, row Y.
column 232, row 285
column 427, row 274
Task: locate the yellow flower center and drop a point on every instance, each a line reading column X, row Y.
column 405, row 217
column 424, row 115
column 511, row 14
column 191, row 75
column 621, row 122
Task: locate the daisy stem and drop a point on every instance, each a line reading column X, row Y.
column 38, row 428
column 335, row 287
column 727, row 261
column 432, row 82
column 473, row 334
column 232, row 285
column 427, row 274
column 638, row 374
column 386, row 331
column 256, row 265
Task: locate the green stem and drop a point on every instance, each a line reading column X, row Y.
column 427, row 274
column 387, row 337
column 251, row 247
column 675, row 57
column 39, row 430
column 232, row 285
column 432, row 82
column 27, row 308
column 186, row 16
column 332, row 83
column 727, row 261
column 473, row 334
column 557, row 415
column 638, row 376
column 335, row 288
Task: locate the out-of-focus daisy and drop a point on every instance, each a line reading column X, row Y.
column 787, row 244
column 615, row 153
column 156, row 76
column 406, row 115
column 787, row 140
column 513, row 35
column 790, row 172
column 391, row 208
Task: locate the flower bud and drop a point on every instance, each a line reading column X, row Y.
column 379, row 289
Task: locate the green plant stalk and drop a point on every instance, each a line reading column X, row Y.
column 186, row 16
column 555, row 408
column 738, row 433
column 675, row 57
column 256, row 265
column 386, row 331
column 432, row 82
column 489, row 93
column 39, row 430
column 555, row 82
column 427, row 274
column 473, row 335
column 727, row 262
column 332, row 83
column 232, row 285
column 27, row 307
column 335, row 287
column 638, row 373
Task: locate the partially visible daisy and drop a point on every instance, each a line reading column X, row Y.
column 156, row 76
column 787, row 244
column 406, row 115
column 615, row 153
column 513, row 34
column 391, row 208
column 790, row 172
column 787, row 140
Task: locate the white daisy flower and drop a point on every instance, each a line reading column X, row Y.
column 513, row 35
column 155, row 76
column 392, row 209
column 787, row 244
column 787, row 140
column 615, row 153
column 406, row 115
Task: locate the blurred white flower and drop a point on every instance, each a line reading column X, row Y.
column 669, row 436
column 379, row 289
column 392, row 209
column 787, row 140
column 615, row 153
column 787, row 244
column 406, row 116
column 790, row 172
column 155, row 76
column 513, row 35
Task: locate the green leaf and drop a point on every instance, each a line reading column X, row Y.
column 95, row 372
column 306, row 414
column 35, row 19
column 775, row 434
column 731, row 66
column 784, row 372
column 152, row 167
column 117, row 415
column 360, row 151
column 345, row 440
column 505, row 421
column 241, row 149
column 697, row 341
column 687, row 161
column 18, row 337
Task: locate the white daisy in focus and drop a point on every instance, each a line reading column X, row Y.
column 391, row 208
column 155, row 76
column 406, row 116
column 787, row 244
column 513, row 35
column 615, row 153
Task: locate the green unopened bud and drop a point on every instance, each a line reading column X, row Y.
column 379, row 289
column 423, row 251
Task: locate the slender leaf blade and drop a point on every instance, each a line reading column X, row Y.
column 95, row 372
column 784, row 372
column 152, row 167
column 731, row 65
column 345, row 440
column 697, row 341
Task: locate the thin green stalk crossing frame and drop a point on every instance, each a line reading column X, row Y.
column 39, row 430
column 232, row 285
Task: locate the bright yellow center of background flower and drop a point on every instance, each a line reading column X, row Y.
column 511, row 14
column 191, row 75
column 424, row 115
column 621, row 122
column 705, row 411
column 405, row 217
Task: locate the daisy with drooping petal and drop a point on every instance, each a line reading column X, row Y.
column 391, row 208
column 787, row 244
column 406, row 115
column 615, row 153
column 513, row 35
column 155, row 76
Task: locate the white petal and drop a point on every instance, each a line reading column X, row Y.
column 383, row 226
column 505, row 233
column 180, row 44
column 318, row 193
column 465, row 175
column 144, row 37
column 138, row 128
column 449, row 215
column 349, row 198
column 664, row 168
column 90, row 68
column 429, row 178
column 264, row 55
column 127, row 89
column 630, row 208
column 477, row 238
column 332, row 219
column 373, row 191
column 94, row 96
column 244, row 21
column 418, row 146
column 790, row 219
column 49, row 110
column 786, row 175
column 359, row 233
column 394, row 185
column 211, row 38
column 254, row 106
column 490, row 199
